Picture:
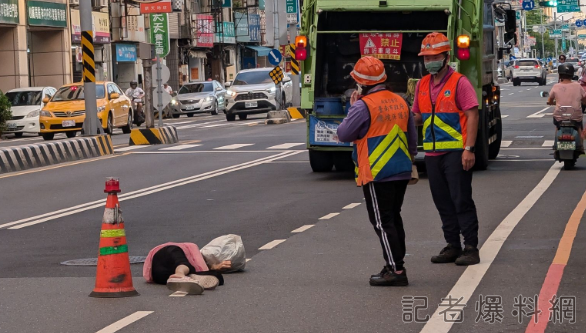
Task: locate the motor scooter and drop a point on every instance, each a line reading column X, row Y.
column 137, row 105
column 568, row 144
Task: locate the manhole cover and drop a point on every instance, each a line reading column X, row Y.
column 94, row 261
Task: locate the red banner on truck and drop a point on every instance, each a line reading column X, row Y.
column 381, row 46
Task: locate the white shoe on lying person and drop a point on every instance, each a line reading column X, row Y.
column 185, row 284
column 206, row 281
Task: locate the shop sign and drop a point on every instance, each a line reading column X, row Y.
column 9, row 11
column 148, row 7
column 159, row 24
column 135, row 28
column 48, row 14
column 247, row 27
column 381, row 46
column 101, row 27
column 205, row 30
column 125, row 52
column 225, row 33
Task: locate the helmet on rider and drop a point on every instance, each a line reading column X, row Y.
column 566, row 71
column 133, row 84
column 369, row 71
column 434, row 49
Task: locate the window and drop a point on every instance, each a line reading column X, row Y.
column 531, row 63
column 196, row 88
column 256, row 77
column 71, row 93
column 23, row 98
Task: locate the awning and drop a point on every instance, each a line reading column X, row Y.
column 260, row 50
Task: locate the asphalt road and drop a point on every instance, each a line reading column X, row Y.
column 259, row 185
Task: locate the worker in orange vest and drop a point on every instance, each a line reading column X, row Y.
column 385, row 142
column 446, row 105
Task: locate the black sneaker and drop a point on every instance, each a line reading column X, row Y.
column 470, row 256
column 382, row 272
column 448, row 254
column 390, row 278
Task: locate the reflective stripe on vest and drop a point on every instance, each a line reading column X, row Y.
column 384, row 150
column 444, row 125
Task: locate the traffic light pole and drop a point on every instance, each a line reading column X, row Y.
column 90, row 124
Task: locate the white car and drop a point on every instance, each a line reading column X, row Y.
column 26, row 108
column 253, row 92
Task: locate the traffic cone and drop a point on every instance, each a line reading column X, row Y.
column 113, row 278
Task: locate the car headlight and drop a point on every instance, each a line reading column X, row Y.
column 209, row 98
column 101, row 108
column 46, row 114
column 272, row 90
column 173, row 102
column 231, row 93
column 33, row 114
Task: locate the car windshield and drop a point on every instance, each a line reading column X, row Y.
column 23, row 98
column 573, row 60
column 73, row 93
column 527, row 63
column 196, row 88
column 256, row 77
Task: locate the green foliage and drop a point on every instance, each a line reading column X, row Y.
column 534, row 17
column 5, row 113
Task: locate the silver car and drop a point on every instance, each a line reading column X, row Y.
column 199, row 97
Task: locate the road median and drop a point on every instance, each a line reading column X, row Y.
column 25, row 157
column 153, row 136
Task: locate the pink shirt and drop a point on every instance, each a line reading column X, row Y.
column 191, row 252
column 465, row 97
column 567, row 94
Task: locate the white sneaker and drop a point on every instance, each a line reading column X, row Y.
column 206, row 281
column 185, row 284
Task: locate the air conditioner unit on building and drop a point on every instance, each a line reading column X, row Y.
column 99, row 3
column 228, row 58
column 74, row 2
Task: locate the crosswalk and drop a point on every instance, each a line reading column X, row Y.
column 206, row 147
column 527, row 142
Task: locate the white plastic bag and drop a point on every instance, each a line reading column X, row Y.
column 227, row 247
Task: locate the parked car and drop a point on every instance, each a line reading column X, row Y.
column 65, row 111
column 528, row 70
column 196, row 97
column 26, row 108
column 253, row 91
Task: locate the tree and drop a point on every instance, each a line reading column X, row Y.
column 536, row 17
column 5, row 113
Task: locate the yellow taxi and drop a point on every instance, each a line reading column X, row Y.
column 65, row 111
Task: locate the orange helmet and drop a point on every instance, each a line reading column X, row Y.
column 369, row 71
column 435, row 43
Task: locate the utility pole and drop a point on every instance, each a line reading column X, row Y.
column 90, row 124
column 295, row 79
column 159, row 92
column 147, row 65
column 542, row 29
column 555, row 26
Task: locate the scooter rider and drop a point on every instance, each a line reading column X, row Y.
column 136, row 94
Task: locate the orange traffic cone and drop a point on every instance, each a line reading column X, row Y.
column 113, row 278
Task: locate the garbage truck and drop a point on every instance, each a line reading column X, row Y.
column 334, row 34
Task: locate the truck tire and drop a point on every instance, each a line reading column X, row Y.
column 495, row 147
column 321, row 161
column 343, row 161
column 482, row 143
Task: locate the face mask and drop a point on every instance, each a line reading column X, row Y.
column 359, row 89
column 433, row 67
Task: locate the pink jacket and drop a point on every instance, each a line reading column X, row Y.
column 191, row 252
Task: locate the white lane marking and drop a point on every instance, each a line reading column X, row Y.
column 180, row 147
column 249, row 123
column 548, row 143
column 178, row 294
column 215, row 151
column 529, row 89
column 271, row 244
column 303, row 228
column 538, row 114
column 511, row 94
column 504, row 116
column 472, row 276
column 215, row 125
column 200, row 124
column 329, row 216
column 183, row 122
column 120, row 324
column 234, row 146
column 286, row 146
column 520, row 91
column 505, row 144
column 527, row 160
column 352, row 205
column 144, row 192
column 131, row 148
column 524, row 148
column 248, row 259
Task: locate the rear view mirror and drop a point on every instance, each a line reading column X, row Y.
column 46, row 99
column 286, row 79
column 544, row 94
column 511, row 26
column 114, row 95
column 219, row 89
column 228, row 84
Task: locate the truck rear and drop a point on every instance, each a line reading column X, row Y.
column 339, row 32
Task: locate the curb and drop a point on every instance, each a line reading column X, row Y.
column 278, row 117
column 25, row 157
column 153, row 136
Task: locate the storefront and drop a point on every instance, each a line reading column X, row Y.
column 224, row 63
column 13, row 71
column 127, row 32
column 200, row 69
column 49, row 43
column 125, row 64
column 251, row 55
column 102, row 53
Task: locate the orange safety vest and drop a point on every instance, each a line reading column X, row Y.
column 444, row 125
column 384, row 150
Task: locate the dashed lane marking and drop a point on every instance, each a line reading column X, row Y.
column 504, row 116
column 303, row 228
column 120, row 324
column 234, row 146
column 548, row 143
column 352, row 205
column 271, row 244
column 329, row 216
column 472, row 276
column 505, row 144
column 178, row 294
column 180, row 147
column 248, row 259
column 130, row 148
column 286, row 146
column 511, row 94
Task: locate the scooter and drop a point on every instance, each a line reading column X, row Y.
column 568, row 144
column 138, row 113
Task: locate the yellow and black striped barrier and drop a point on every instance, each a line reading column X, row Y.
column 294, row 61
column 153, row 136
column 87, row 48
column 296, row 113
column 48, row 153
